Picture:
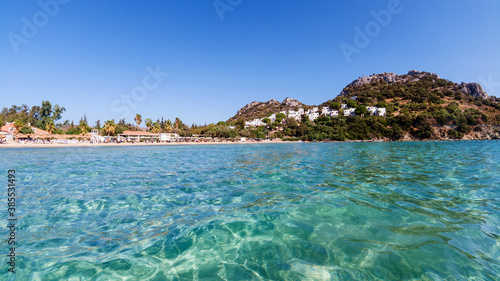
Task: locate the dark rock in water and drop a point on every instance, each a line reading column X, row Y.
column 473, row 89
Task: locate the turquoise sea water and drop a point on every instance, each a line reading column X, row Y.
column 326, row 211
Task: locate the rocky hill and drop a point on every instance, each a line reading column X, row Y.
column 422, row 99
column 412, row 78
column 260, row 110
column 420, row 105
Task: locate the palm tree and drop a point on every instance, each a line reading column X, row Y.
column 83, row 128
column 109, row 127
column 148, row 123
column 168, row 126
column 138, row 120
column 50, row 127
column 156, row 128
column 18, row 124
column 177, row 123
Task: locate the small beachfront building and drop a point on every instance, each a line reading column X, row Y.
column 169, row 137
column 138, row 135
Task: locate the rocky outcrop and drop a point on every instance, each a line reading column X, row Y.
column 246, row 107
column 473, row 89
column 289, row 102
column 257, row 109
column 413, row 75
column 422, row 73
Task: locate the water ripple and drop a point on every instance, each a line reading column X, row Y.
column 378, row 211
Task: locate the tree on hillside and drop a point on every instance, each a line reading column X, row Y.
column 280, row 117
column 352, row 104
column 291, row 122
column 335, row 105
column 240, row 124
column 138, row 120
column 361, row 110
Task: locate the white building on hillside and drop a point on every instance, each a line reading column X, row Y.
column 334, row 113
column 325, row 111
column 343, row 106
column 313, row 115
column 349, row 112
column 297, row 115
column 272, row 117
column 371, row 109
column 381, row 111
column 376, row 111
column 254, row 123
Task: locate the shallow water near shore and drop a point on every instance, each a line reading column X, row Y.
column 325, row 211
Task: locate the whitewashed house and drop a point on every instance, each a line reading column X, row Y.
column 381, row 111
column 325, row 111
column 295, row 114
column 334, row 113
column 349, row 112
column 313, row 115
column 272, row 117
column 254, row 123
column 372, row 110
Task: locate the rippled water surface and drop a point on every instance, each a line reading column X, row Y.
column 327, row 211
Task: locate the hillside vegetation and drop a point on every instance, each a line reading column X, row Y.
column 420, row 105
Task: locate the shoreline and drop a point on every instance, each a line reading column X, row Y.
column 54, row 145
column 37, row 145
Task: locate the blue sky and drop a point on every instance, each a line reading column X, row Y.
column 91, row 56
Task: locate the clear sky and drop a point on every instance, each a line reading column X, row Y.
column 96, row 57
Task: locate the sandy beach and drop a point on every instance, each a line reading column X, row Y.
column 26, row 145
